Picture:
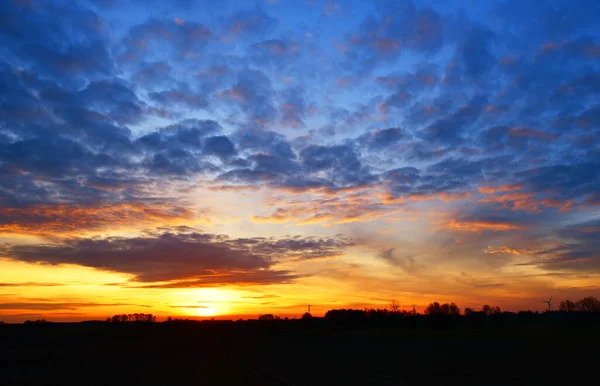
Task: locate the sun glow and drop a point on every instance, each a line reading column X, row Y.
column 210, row 310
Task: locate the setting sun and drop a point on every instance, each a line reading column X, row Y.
column 206, row 311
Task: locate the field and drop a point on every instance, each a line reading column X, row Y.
column 288, row 353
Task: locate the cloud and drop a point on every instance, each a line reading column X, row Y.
column 577, row 249
column 407, row 263
column 220, row 146
column 51, row 306
column 353, row 114
column 392, row 29
column 475, row 52
column 501, row 251
column 178, row 97
column 499, row 189
column 264, row 141
column 32, row 284
column 182, row 254
column 278, row 52
column 53, row 220
column 380, row 139
column 56, row 40
column 253, row 92
column 184, row 40
column 248, row 23
column 449, row 129
column 235, row 278
column 479, row 225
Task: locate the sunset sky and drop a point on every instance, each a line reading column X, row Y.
column 229, row 158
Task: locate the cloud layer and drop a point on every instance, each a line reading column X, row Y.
column 481, row 121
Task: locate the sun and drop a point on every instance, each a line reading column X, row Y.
column 206, row 311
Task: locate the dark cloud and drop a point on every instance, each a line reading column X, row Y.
column 277, row 52
column 187, row 98
column 563, row 18
column 264, row 141
column 575, row 249
column 379, row 139
column 475, row 51
column 450, row 175
column 55, row 39
column 182, row 254
column 563, row 181
column 341, row 164
column 185, row 39
column 394, row 28
column 249, row 23
column 253, row 92
column 451, row 129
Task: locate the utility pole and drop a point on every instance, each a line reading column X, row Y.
column 309, row 308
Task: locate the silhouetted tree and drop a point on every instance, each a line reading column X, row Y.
column 445, row 309
column 468, row 311
column 394, row 306
column 37, row 321
column 433, row 309
column 489, row 310
column 589, row 304
column 266, row 317
column 306, row 316
column 123, row 318
column 567, row 306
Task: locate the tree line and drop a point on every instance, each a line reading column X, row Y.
column 583, row 306
column 124, row 318
column 589, row 304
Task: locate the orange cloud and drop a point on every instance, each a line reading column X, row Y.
column 279, row 217
column 589, row 230
column 515, row 201
column 501, row 251
column 318, row 218
column 66, row 219
column 499, row 189
column 481, row 225
column 563, row 206
column 233, row 188
column 444, row 196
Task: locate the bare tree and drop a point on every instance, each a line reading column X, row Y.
column 395, row 306
column 589, row 304
column 567, row 306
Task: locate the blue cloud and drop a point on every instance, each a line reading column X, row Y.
column 416, row 98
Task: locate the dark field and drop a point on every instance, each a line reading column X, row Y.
column 293, row 353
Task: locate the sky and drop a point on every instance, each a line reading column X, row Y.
column 225, row 159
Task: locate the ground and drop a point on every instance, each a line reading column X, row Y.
column 277, row 354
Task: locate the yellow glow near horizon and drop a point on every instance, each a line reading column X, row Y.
column 207, row 311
